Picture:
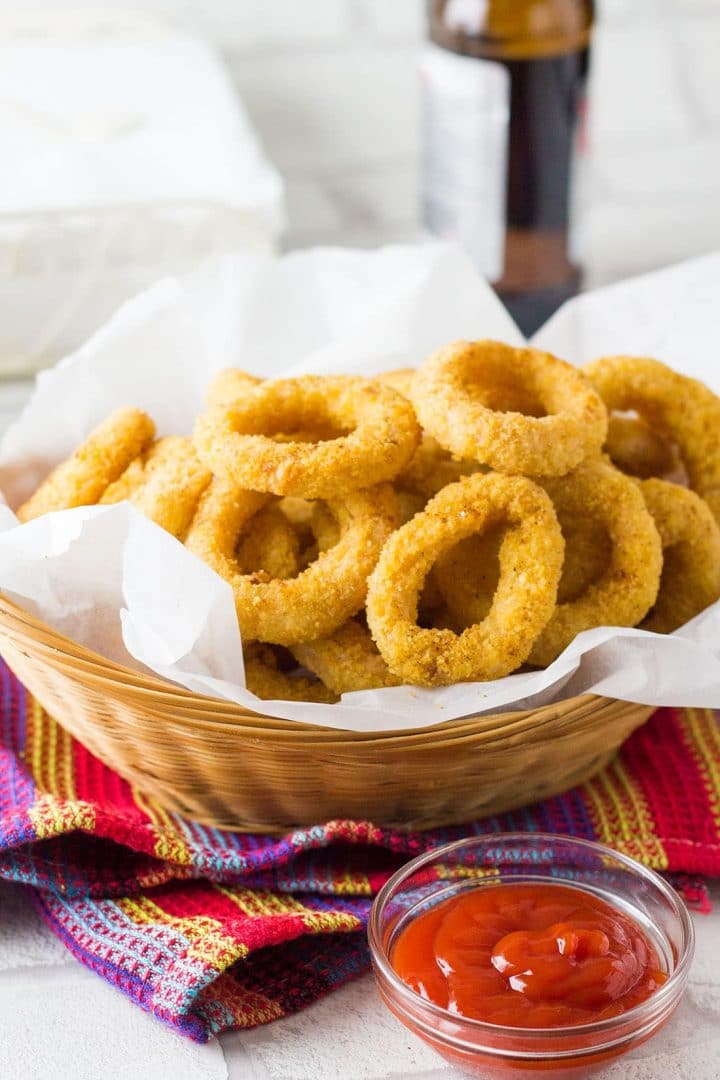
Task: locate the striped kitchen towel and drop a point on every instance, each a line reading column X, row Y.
column 210, row 930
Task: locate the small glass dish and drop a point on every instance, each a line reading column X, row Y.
column 490, row 1050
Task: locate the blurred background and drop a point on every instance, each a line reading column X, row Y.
column 331, row 89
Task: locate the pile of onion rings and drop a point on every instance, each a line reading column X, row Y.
column 430, row 526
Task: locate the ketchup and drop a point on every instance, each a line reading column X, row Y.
column 530, row 956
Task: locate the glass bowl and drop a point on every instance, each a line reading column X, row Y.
column 491, row 1050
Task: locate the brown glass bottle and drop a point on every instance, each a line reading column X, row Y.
column 504, row 88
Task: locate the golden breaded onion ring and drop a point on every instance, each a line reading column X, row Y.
column 130, row 481
column 230, row 385
column 530, row 560
column 325, row 527
column 165, row 483
column 468, row 575
column 430, row 468
column 265, row 679
column 322, row 597
column 100, row 460
column 346, row 661
column 299, row 512
column 626, row 591
column 271, row 544
column 139, row 471
column 588, row 550
column 320, row 532
column 637, row 449
column 682, row 409
column 399, row 379
column 237, row 443
column 233, row 384
column 481, row 400
column 690, row 537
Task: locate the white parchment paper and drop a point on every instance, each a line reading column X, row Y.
column 115, row 582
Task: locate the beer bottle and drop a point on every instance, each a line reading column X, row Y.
column 503, row 102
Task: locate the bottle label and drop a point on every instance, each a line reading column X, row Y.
column 466, row 122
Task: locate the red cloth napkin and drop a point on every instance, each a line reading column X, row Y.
column 211, row 930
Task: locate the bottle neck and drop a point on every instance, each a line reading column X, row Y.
column 511, row 29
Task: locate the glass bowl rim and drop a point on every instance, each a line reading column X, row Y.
column 637, row 1013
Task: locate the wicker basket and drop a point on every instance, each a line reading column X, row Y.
column 218, row 763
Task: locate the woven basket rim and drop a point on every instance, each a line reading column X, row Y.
column 196, row 707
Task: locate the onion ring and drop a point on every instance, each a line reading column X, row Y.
column 81, row 479
column 134, row 476
column 299, row 513
column 588, row 551
column 322, row 597
column 430, row 468
column 230, row 385
column 346, row 661
column 682, row 409
column 626, row 591
column 270, row 544
column 383, row 434
column 325, row 527
column 400, row 379
column 531, row 561
column 468, row 575
column 461, row 393
column 139, row 470
column 430, row 599
column 636, row 449
column 165, row 484
column 318, row 532
column 690, row 537
column 265, row 680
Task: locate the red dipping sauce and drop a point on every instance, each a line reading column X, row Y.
column 521, row 955
column 528, row 956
